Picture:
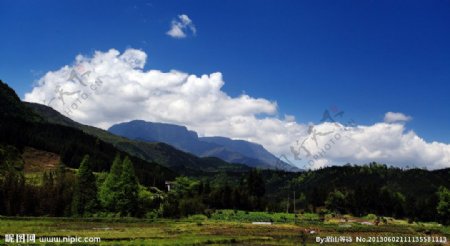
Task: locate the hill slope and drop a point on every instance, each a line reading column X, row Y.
column 21, row 127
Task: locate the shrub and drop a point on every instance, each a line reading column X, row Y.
column 371, row 217
column 198, row 217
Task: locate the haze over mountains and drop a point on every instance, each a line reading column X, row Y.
column 233, row 151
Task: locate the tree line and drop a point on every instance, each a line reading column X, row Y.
column 414, row 194
column 83, row 193
column 345, row 190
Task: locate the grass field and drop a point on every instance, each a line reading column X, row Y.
column 223, row 228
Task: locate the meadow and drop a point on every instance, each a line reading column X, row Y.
column 223, row 227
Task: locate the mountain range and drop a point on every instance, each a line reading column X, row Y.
column 232, row 151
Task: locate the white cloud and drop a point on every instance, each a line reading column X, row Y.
column 180, row 26
column 391, row 117
column 114, row 87
column 381, row 142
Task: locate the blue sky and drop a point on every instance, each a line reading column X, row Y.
column 365, row 57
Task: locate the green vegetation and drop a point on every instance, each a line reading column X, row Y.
column 243, row 216
column 110, row 188
column 85, row 193
column 127, row 198
column 382, row 193
column 199, row 230
column 443, row 207
column 360, row 190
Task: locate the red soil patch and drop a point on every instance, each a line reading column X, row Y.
column 38, row 160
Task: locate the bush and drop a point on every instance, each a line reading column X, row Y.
column 245, row 216
column 198, row 217
column 310, row 217
column 371, row 217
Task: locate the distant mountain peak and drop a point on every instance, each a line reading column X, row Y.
column 230, row 150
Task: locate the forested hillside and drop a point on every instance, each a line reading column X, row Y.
column 21, row 127
column 373, row 188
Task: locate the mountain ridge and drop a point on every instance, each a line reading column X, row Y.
column 234, row 151
column 163, row 154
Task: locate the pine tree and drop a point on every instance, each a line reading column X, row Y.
column 85, row 193
column 443, row 208
column 127, row 201
column 110, row 188
column 47, row 194
column 63, row 191
column 255, row 183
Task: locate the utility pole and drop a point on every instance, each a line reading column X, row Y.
column 287, row 205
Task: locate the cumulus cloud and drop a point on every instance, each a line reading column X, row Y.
column 391, row 117
column 382, row 142
column 180, row 26
column 111, row 87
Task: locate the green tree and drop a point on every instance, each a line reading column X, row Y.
column 182, row 198
column 443, row 208
column 13, row 187
column 255, row 183
column 336, row 201
column 85, row 192
column 110, row 189
column 255, row 188
column 127, row 200
column 391, row 203
column 47, row 201
column 149, row 201
column 63, row 191
column 301, row 201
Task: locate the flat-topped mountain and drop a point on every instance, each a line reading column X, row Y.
column 233, row 151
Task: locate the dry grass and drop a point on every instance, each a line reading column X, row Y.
column 39, row 161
